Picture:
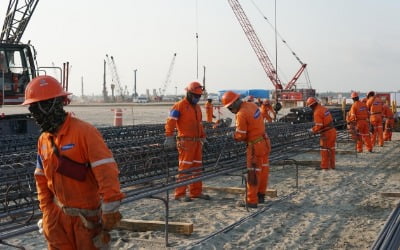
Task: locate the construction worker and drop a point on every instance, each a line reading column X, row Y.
column 76, row 174
column 388, row 119
column 267, row 111
column 209, row 110
column 323, row 125
column 359, row 115
column 375, row 106
column 250, row 129
column 185, row 117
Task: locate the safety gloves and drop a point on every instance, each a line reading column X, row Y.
column 169, row 142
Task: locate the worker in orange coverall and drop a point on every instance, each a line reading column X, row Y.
column 375, row 106
column 323, row 124
column 359, row 115
column 209, row 110
column 76, row 174
column 250, row 128
column 267, row 111
column 388, row 118
column 185, row 116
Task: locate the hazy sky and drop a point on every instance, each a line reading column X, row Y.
column 347, row 44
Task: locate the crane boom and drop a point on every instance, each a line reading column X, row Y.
column 259, row 49
column 255, row 43
column 115, row 76
column 168, row 78
column 17, row 18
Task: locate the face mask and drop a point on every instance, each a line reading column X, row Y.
column 195, row 100
column 49, row 114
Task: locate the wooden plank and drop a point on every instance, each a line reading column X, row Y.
column 391, row 194
column 299, row 162
column 145, row 225
column 238, row 190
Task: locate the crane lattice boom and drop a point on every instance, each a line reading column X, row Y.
column 17, row 18
column 168, row 78
column 115, row 76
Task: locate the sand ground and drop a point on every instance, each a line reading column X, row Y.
column 335, row 209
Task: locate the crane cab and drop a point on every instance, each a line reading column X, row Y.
column 17, row 68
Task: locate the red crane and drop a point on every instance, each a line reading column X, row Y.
column 259, row 49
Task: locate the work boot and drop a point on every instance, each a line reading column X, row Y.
column 203, row 196
column 243, row 204
column 261, row 198
column 183, row 199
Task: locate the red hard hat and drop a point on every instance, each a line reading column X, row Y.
column 311, row 101
column 43, row 88
column 195, row 88
column 228, row 98
column 354, row 95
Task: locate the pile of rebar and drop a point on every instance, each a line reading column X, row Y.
column 389, row 237
column 143, row 162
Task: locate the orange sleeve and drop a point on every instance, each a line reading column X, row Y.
column 170, row 125
column 352, row 113
column 45, row 196
column 241, row 127
column 103, row 165
column 318, row 120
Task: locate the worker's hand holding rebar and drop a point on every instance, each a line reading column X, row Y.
column 169, row 142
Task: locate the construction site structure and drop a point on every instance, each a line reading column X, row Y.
column 166, row 81
column 119, row 91
column 283, row 92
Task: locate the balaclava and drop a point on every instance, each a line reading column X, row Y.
column 49, row 114
column 193, row 98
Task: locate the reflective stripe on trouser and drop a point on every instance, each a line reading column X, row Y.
column 258, row 154
column 327, row 143
column 63, row 231
column 190, row 156
column 387, row 134
column 378, row 132
column 363, row 136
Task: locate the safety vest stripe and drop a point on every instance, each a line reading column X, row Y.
column 197, row 161
column 186, row 162
column 241, row 131
column 103, row 161
column 39, row 171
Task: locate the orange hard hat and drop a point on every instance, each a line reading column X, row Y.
column 228, row 98
column 195, row 88
column 354, row 95
column 43, row 88
column 311, row 101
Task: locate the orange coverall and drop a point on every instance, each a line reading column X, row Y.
column 187, row 119
column 209, row 111
column 267, row 112
column 389, row 123
column 323, row 125
column 359, row 115
column 375, row 106
column 82, row 143
column 250, row 128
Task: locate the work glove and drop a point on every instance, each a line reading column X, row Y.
column 102, row 240
column 40, row 225
column 169, row 142
column 109, row 220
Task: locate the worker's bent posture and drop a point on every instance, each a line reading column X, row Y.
column 185, row 116
column 375, row 106
column 323, row 124
column 250, row 129
column 76, row 174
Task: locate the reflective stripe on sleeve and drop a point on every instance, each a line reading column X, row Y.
column 241, row 131
column 39, row 171
column 102, row 161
